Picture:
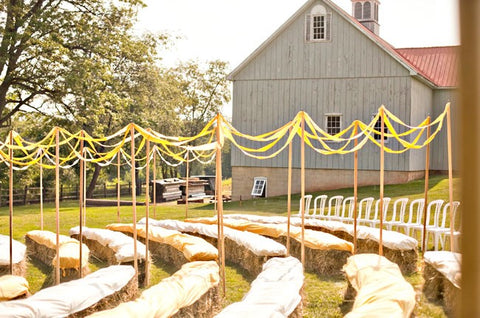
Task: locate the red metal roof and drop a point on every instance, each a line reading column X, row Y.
column 438, row 64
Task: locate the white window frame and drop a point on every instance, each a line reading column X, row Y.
column 379, row 137
column 259, row 186
column 327, row 115
column 313, row 28
column 318, row 11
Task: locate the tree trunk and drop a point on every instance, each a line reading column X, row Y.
column 93, row 182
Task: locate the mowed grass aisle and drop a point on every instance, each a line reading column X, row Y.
column 323, row 295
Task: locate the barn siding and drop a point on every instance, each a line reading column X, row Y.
column 422, row 98
column 439, row 158
column 318, row 97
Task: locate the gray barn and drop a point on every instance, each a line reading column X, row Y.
column 336, row 68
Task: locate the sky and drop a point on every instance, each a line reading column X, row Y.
column 230, row 30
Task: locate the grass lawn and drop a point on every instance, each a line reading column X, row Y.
column 324, row 295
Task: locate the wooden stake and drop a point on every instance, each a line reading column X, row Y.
column 10, row 203
column 57, row 204
column 154, row 184
column 186, row 188
column 355, row 189
column 289, row 190
column 427, row 170
column 302, row 180
column 134, row 198
column 450, row 177
column 81, row 201
column 119, row 192
column 218, row 189
column 41, row 191
column 84, row 207
column 382, row 177
column 147, row 212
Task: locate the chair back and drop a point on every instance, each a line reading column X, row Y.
column 336, row 202
column 446, row 210
column 400, row 204
column 308, row 199
column 415, row 212
column 364, row 205
column 386, row 202
column 437, row 204
column 348, row 201
column 319, row 203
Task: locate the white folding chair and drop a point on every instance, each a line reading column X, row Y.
column 431, row 222
column 375, row 220
column 415, row 213
column 308, row 199
column 345, row 216
column 364, row 206
column 319, row 203
column 398, row 209
column 334, row 206
column 442, row 232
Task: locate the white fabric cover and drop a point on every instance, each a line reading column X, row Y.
column 391, row 239
column 70, row 297
column 121, row 243
column 259, row 245
column 18, row 250
column 381, row 289
column 447, row 263
column 274, row 293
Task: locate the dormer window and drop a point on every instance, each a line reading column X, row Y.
column 317, row 25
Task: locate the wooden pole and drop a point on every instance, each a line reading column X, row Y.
column 218, row 189
column 469, row 112
column 450, row 177
column 427, row 170
column 154, row 184
column 41, row 191
column 186, row 188
column 119, row 192
column 10, row 203
column 382, row 177
column 147, row 212
column 57, row 205
column 302, row 187
column 289, row 190
column 84, row 206
column 355, row 189
column 134, row 198
column 81, row 201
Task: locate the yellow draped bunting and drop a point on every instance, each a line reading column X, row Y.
column 103, row 150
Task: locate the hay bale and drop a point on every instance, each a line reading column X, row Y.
column 437, row 288
column 239, row 255
column 107, row 254
column 322, row 262
column 451, row 297
column 205, row 307
column 19, row 269
column 405, row 259
column 127, row 293
column 46, row 255
column 433, row 285
column 166, row 253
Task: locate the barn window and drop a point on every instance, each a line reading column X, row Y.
column 358, row 10
column 376, row 12
column 378, row 128
column 317, row 25
column 333, row 123
column 367, row 10
column 259, row 187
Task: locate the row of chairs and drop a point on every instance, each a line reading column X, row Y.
column 409, row 221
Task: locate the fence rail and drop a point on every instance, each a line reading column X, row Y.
column 31, row 195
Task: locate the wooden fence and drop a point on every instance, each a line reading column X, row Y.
column 30, row 195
